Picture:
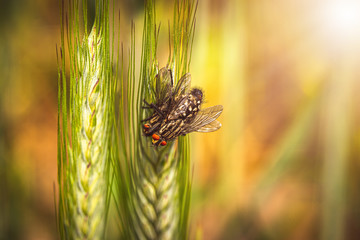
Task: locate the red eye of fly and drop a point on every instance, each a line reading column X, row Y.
column 155, row 137
column 163, row 143
column 146, row 126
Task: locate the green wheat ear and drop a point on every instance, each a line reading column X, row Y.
column 85, row 125
column 154, row 183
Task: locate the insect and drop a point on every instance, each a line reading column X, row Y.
column 177, row 110
column 166, row 97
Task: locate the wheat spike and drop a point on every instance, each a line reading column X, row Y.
column 155, row 195
column 85, row 178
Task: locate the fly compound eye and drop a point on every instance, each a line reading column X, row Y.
column 146, row 126
column 163, row 143
column 155, row 136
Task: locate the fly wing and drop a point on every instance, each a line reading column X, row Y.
column 163, row 85
column 204, row 121
column 211, row 127
column 183, row 85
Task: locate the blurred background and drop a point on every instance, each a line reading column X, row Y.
column 285, row 163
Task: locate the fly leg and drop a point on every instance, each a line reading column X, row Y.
column 158, row 142
column 147, row 119
column 172, row 80
column 152, row 129
column 153, row 106
column 147, row 105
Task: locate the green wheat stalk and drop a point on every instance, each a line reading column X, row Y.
column 154, row 183
column 84, row 122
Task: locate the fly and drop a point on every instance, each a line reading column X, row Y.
column 177, row 110
column 166, row 97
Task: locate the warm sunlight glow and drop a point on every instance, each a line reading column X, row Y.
column 339, row 21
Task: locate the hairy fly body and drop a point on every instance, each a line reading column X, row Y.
column 203, row 121
column 177, row 110
column 166, row 97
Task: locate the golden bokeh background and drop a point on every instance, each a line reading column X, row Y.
column 285, row 163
